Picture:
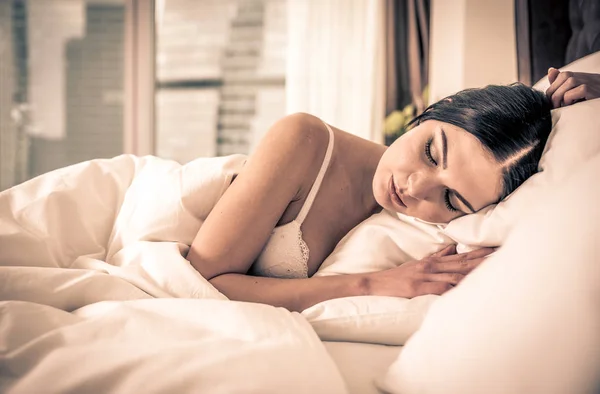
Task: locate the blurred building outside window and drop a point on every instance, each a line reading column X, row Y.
column 61, row 84
column 219, row 80
column 220, row 75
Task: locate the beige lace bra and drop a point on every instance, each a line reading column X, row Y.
column 286, row 254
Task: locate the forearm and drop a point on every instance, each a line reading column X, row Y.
column 292, row 294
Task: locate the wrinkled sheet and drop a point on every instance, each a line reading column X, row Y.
column 161, row 345
column 96, row 295
column 128, row 217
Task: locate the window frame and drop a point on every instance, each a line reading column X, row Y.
column 139, row 84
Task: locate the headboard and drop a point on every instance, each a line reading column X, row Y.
column 554, row 33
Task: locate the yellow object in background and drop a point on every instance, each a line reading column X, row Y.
column 396, row 123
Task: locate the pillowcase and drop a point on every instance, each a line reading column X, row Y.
column 528, row 319
column 383, row 241
column 370, row 319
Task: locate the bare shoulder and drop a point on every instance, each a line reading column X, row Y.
column 300, row 132
column 295, row 145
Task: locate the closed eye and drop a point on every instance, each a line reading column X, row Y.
column 448, row 203
column 428, row 152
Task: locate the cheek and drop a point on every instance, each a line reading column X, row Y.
column 424, row 211
column 429, row 212
column 400, row 158
column 379, row 182
column 411, row 151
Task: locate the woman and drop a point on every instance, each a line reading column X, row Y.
column 308, row 184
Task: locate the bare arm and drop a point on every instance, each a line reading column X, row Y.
column 435, row 274
column 292, row 294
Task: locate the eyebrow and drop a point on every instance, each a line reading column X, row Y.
column 445, row 165
column 463, row 200
column 444, row 150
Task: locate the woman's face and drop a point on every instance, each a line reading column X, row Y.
column 437, row 172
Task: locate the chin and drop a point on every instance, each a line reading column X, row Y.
column 379, row 191
column 382, row 202
column 390, row 206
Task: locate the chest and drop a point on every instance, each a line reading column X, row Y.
column 335, row 210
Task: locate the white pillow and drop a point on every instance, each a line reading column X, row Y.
column 381, row 242
column 384, row 240
column 371, row 319
column 528, row 319
column 574, row 139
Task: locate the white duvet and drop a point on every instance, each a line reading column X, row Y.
column 96, row 296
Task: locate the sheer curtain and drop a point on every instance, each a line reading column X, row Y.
column 8, row 132
column 336, row 63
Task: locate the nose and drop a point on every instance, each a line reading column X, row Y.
column 420, row 186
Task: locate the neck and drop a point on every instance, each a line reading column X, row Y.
column 368, row 173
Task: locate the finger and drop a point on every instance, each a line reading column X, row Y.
column 447, row 277
column 576, row 94
column 552, row 74
column 438, row 288
column 459, row 267
column 448, row 250
column 468, row 256
column 560, row 79
column 557, row 96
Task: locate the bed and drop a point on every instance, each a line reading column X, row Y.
column 96, row 295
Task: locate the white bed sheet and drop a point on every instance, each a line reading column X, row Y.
column 361, row 363
column 159, row 346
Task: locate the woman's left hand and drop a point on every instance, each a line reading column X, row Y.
column 567, row 87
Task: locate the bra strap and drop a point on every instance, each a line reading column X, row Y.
column 317, row 184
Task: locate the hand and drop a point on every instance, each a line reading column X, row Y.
column 568, row 87
column 435, row 274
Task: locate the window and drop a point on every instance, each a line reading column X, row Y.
column 220, row 75
column 61, row 84
column 71, row 72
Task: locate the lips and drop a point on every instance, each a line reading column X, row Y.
column 394, row 196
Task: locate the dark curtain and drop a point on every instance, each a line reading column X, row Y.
column 407, row 26
column 549, row 35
